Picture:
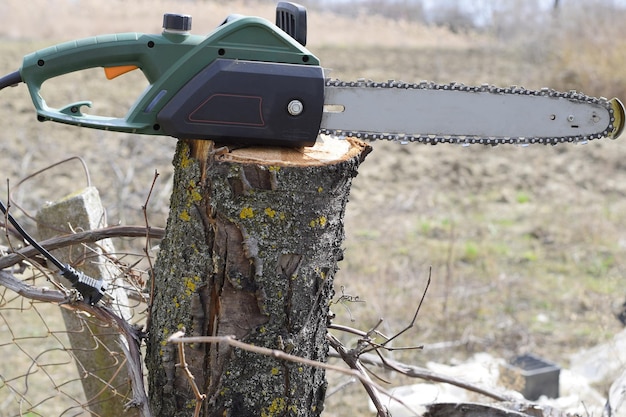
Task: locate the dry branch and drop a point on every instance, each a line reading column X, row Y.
column 351, row 358
column 88, row 236
column 132, row 351
column 132, row 335
column 279, row 354
column 9, row 281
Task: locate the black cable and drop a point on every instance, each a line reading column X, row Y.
column 30, row 239
column 10, row 79
column 90, row 288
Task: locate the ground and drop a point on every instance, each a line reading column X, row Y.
column 524, row 246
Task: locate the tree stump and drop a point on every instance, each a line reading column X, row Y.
column 251, row 248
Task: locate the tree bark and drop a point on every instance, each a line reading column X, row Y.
column 250, row 249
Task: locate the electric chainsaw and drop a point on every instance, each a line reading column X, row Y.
column 253, row 82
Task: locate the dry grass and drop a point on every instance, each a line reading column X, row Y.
column 525, row 244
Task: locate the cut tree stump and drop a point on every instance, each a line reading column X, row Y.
column 251, row 248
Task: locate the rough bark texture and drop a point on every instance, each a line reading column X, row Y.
column 251, row 248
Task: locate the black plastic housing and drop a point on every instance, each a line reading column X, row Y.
column 291, row 18
column 246, row 102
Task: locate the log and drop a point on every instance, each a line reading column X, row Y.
column 250, row 249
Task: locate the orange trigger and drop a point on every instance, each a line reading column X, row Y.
column 112, row 72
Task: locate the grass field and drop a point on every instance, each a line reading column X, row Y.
column 526, row 245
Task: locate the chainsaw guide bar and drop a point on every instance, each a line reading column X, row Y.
column 433, row 113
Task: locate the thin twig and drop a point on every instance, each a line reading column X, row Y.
column 44, row 169
column 340, row 387
column 417, row 311
column 146, row 250
column 347, row 329
column 351, row 358
column 279, row 354
column 185, row 367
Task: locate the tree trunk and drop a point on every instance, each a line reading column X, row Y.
column 251, row 247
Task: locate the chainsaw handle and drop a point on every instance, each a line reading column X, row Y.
column 152, row 54
column 245, row 61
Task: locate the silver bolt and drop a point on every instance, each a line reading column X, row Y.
column 295, row 107
column 570, row 118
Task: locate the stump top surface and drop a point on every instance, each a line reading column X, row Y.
column 327, row 150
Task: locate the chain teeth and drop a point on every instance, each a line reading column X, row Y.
column 571, row 95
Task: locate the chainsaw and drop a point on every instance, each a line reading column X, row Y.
column 253, row 82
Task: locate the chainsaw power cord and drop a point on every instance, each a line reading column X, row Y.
column 11, row 79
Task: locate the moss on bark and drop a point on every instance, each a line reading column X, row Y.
column 251, row 249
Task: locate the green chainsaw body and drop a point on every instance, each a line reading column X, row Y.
column 253, row 82
column 225, row 86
